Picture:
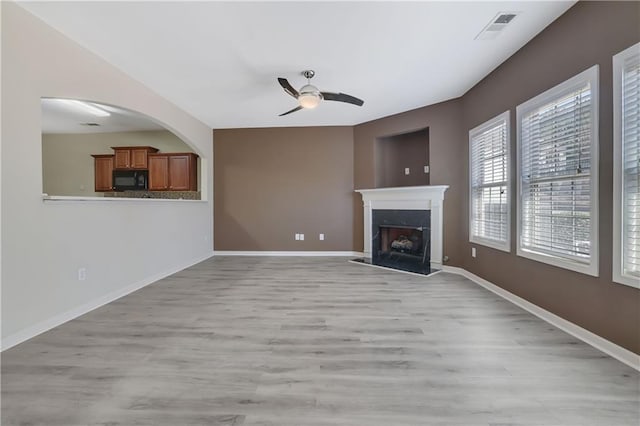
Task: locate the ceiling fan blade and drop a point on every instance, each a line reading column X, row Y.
column 288, row 87
column 298, row 108
column 342, row 97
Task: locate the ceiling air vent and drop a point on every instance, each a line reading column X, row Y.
column 90, row 124
column 496, row 25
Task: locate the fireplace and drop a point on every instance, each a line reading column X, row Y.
column 413, row 213
column 401, row 239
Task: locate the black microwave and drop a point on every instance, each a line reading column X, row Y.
column 130, row 180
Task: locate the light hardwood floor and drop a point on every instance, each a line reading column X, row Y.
column 312, row 341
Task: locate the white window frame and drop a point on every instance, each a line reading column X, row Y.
column 588, row 76
column 502, row 118
column 618, row 264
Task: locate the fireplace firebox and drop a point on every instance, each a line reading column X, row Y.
column 401, row 239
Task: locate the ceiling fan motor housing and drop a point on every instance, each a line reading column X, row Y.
column 310, row 89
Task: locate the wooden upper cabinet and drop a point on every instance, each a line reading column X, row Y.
column 179, row 168
column 173, row 172
column 139, row 158
column 158, row 172
column 122, row 159
column 103, row 172
column 132, row 157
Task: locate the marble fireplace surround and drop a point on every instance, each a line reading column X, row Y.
column 428, row 197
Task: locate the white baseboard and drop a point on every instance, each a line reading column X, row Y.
column 48, row 324
column 287, row 253
column 600, row 343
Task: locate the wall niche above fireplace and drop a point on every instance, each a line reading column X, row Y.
column 397, row 153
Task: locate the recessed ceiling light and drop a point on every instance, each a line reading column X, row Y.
column 83, row 107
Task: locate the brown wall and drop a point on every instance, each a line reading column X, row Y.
column 446, row 145
column 589, row 33
column 273, row 183
column 395, row 153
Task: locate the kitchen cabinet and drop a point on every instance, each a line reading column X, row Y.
column 132, row 157
column 158, row 172
column 173, row 172
column 103, row 172
column 182, row 172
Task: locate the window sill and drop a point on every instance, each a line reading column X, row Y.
column 491, row 244
column 624, row 279
column 583, row 268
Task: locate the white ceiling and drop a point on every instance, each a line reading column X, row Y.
column 60, row 117
column 219, row 60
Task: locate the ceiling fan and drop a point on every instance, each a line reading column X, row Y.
column 309, row 96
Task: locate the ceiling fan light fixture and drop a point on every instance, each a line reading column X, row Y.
column 309, row 96
column 309, row 100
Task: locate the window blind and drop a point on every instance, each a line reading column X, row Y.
column 555, row 185
column 631, row 166
column 489, row 212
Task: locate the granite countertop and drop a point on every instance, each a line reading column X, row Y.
column 171, row 195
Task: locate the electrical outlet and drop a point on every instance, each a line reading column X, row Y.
column 426, row 169
column 406, row 171
column 321, row 237
column 473, row 252
column 301, row 237
column 82, row 274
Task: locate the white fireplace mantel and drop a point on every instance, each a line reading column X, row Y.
column 426, row 197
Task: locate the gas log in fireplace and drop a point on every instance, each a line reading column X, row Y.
column 401, row 239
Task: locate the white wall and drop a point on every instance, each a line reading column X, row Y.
column 122, row 244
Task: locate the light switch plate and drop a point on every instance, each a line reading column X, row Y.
column 321, row 237
column 301, row 237
column 406, row 171
column 426, row 169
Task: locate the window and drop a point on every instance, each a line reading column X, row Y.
column 558, row 175
column 489, row 194
column 626, row 166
